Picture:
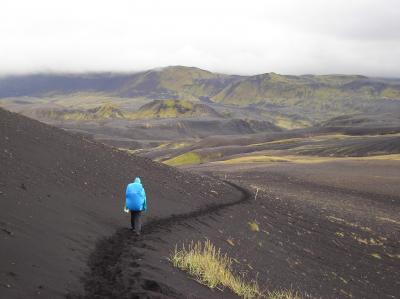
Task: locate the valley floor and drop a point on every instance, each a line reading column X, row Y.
column 325, row 230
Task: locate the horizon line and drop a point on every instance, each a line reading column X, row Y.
column 131, row 72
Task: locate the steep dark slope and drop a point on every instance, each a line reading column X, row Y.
column 60, row 192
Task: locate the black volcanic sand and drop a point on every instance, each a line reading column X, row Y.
column 60, row 193
column 322, row 237
column 329, row 230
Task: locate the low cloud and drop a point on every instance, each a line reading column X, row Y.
column 242, row 37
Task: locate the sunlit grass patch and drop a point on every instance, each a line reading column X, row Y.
column 192, row 158
column 288, row 123
column 184, row 159
column 212, row 268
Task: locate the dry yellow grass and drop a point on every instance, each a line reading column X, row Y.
column 214, row 269
column 376, row 255
column 230, row 241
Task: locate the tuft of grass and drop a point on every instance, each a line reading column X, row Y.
column 376, row 255
column 254, row 226
column 339, row 234
column 212, row 268
column 230, row 241
column 284, row 294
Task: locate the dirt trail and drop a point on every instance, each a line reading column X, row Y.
column 108, row 267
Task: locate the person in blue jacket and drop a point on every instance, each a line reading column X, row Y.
column 135, row 203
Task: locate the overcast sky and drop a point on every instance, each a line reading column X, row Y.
column 241, row 37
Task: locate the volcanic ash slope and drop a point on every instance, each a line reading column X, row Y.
column 60, row 193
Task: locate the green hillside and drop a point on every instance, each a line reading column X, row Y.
column 288, row 101
column 176, row 82
column 319, row 97
column 172, row 109
column 280, row 89
column 102, row 112
column 153, row 110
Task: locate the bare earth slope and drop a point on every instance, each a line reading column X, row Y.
column 328, row 230
column 60, row 192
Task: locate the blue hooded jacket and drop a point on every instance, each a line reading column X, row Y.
column 135, row 196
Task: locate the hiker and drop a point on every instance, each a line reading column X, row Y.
column 135, row 203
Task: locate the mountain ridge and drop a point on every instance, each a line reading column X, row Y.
column 190, row 80
column 287, row 100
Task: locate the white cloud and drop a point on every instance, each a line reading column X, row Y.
column 243, row 37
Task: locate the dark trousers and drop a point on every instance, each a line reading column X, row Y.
column 135, row 221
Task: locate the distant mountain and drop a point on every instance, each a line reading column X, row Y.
column 288, row 101
column 175, row 82
column 108, row 111
column 179, row 82
column 280, row 89
column 103, row 112
column 320, row 97
column 174, row 108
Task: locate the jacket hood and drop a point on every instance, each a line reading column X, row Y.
column 137, row 180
